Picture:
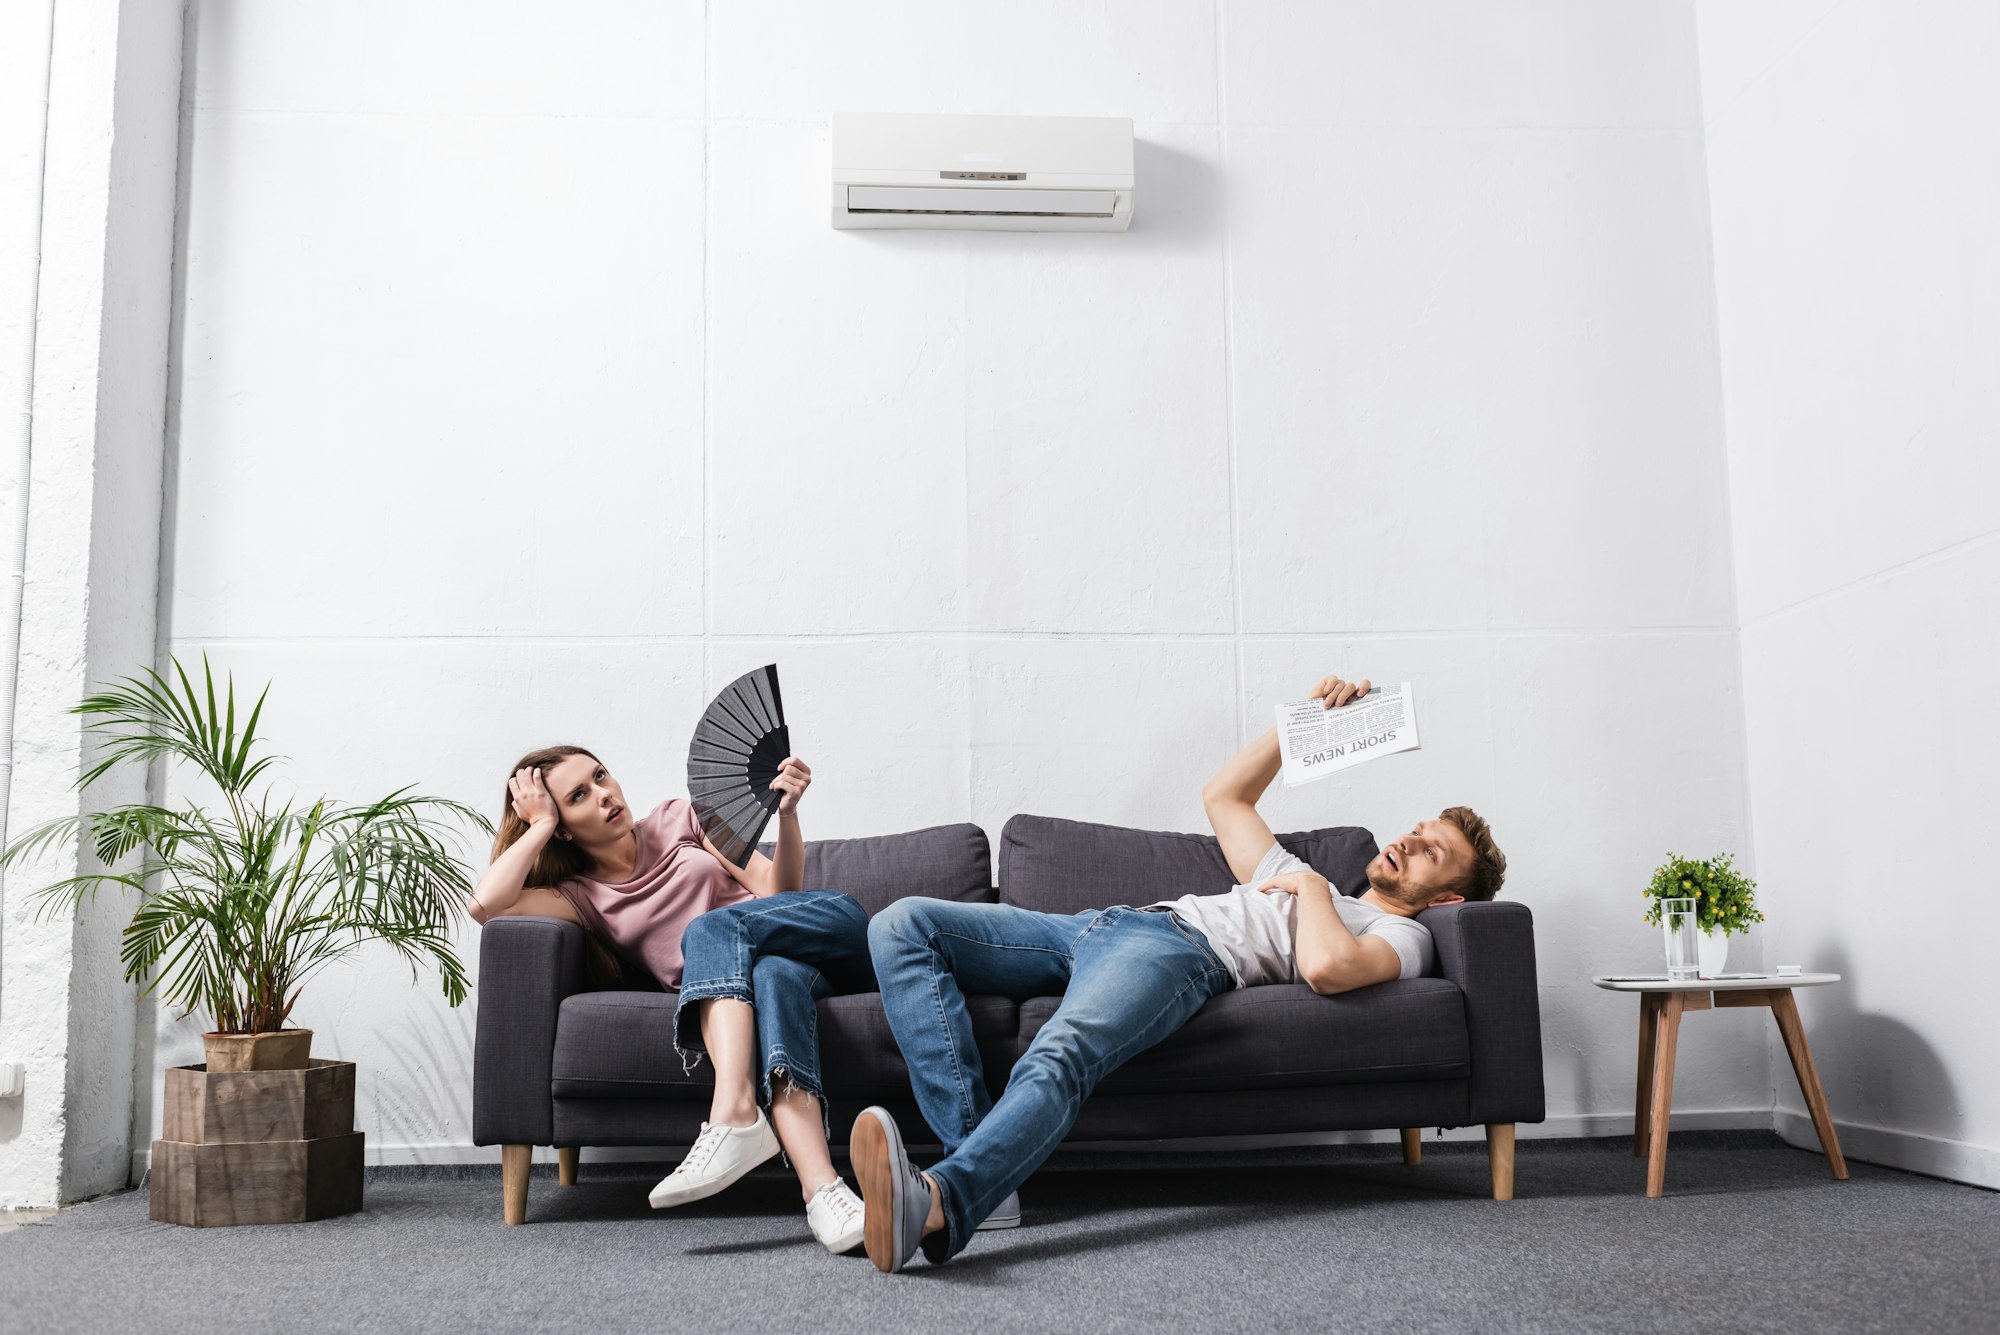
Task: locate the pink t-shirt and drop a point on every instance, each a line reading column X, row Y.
column 675, row 881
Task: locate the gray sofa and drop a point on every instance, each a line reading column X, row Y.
column 557, row 1064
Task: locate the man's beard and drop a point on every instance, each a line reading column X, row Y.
column 1391, row 891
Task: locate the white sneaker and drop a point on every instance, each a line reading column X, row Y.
column 719, row 1155
column 1007, row 1214
column 836, row 1215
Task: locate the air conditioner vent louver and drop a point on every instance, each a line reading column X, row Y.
column 1009, row 173
column 981, row 203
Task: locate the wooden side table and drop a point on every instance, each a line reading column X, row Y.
column 1661, row 1005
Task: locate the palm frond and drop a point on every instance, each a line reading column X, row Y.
column 117, row 833
column 190, row 946
column 146, row 717
column 71, row 891
column 41, row 837
column 139, row 720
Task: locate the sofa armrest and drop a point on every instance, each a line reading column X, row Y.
column 1488, row 949
column 527, row 966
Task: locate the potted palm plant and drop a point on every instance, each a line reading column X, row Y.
column 244, row 896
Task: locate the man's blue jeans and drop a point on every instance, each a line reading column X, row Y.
column 1128, row 978
column 781, row 954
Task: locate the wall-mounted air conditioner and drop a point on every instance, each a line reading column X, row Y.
column 1005, row 173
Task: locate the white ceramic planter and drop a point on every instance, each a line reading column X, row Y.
column 1714, row 954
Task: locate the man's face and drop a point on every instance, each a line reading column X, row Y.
column 1424, row 867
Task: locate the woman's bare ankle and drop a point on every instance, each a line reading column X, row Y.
column 733, row 1114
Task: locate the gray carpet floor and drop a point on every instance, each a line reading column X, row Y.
column 1753, row 1236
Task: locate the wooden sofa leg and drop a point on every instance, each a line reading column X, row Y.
column 514, row 1160
column 566, row 1165
column 1413, row 1144
column 1500, row 1157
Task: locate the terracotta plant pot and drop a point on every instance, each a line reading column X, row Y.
column 278, row 1050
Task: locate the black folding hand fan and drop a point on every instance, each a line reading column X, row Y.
column 737, row 748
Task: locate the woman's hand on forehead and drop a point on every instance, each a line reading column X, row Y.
column 530, row 794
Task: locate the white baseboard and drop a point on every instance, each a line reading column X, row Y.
column 1555, row 1128
column 1565, row 1127
column 1933, row 1156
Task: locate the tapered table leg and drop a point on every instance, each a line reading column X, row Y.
column 1642, row 1103
column 1787, row 1012
column 1669, row 1026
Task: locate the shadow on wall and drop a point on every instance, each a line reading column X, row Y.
column 164, row 1039
column 1181, row 196
column 1877, row 1071
column 423, row 1087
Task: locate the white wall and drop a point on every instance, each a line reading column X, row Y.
column 1856, row 200
column 526, row 396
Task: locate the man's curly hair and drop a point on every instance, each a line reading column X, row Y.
column 1489, row 864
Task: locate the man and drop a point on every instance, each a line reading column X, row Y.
column 1129, row 977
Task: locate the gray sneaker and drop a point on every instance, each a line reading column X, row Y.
column 897, row 1197
column 1007, row 1214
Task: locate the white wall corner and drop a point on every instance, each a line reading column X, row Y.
column 1844, row 222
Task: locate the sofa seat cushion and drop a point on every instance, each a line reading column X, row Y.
column 1286, row 1036
column 859, row 1059
column 620, row 1045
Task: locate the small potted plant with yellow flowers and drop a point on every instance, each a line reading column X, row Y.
column 1725, row 901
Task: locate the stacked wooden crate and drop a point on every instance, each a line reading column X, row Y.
column 257, row 1147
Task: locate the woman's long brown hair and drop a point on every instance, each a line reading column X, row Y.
column 558, row 862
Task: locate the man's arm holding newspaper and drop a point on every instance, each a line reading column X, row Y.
column 1231, row 796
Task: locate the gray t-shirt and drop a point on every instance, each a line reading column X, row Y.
column 1254, row 932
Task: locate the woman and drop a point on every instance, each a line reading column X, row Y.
column 749, row 950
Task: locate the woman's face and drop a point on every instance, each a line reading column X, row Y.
column 589, row 802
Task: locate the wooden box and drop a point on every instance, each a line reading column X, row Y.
column 257, row 1147
column 204, row 1107
column 256, row 1182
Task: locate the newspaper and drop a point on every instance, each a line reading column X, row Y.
column 1316, row 741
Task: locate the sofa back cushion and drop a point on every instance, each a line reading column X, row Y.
column 943, row 862
column 1066, row 866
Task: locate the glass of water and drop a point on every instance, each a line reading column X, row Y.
column 1683, row 940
